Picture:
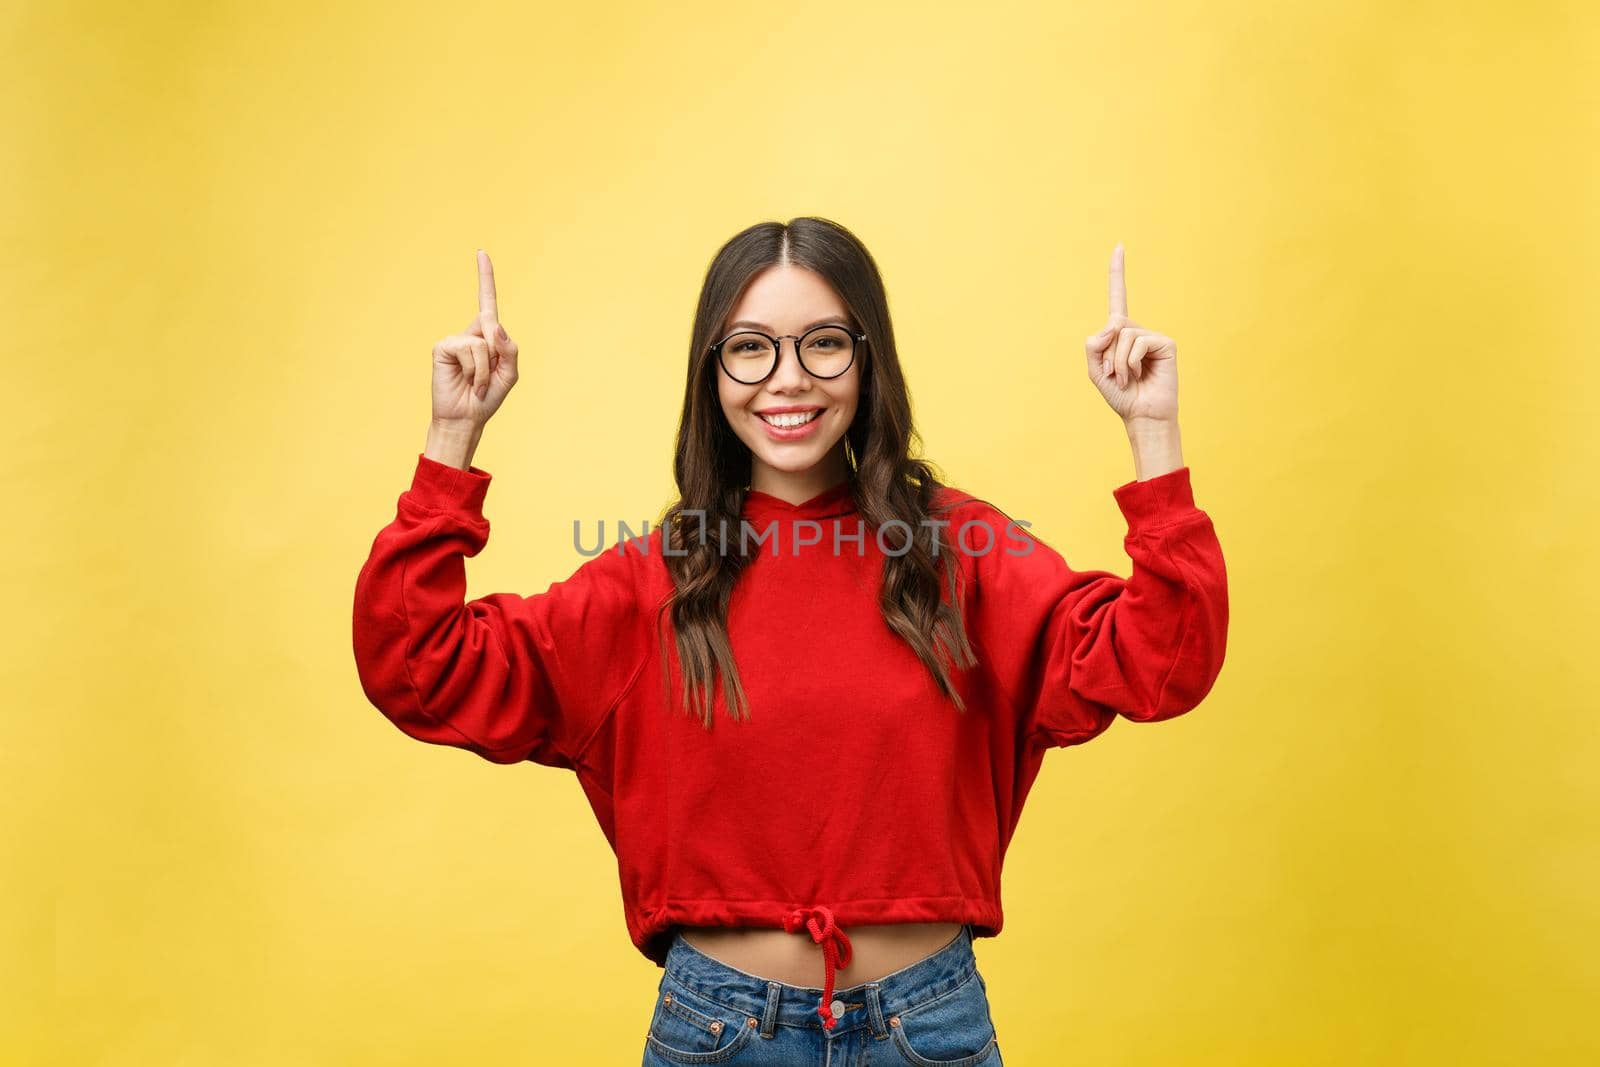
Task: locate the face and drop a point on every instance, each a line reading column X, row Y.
column 793, row 463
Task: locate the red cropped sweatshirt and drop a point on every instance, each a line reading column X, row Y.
column 855, row 792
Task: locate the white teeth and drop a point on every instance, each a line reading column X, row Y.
column 793, row 418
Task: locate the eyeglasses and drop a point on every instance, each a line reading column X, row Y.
column 749, row 356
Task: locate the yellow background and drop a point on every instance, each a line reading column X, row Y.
column 234, row 231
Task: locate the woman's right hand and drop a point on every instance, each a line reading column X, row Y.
column 474, row 370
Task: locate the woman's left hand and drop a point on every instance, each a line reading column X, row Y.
column 1135, row 369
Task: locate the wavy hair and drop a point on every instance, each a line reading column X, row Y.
column 919, row 595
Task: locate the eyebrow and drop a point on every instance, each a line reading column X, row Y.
column 836, row 319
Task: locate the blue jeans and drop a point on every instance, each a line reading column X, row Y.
column 931, row 1013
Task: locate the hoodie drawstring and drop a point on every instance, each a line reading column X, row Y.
column 835, row 950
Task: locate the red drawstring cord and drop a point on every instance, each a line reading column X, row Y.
column 835, row 950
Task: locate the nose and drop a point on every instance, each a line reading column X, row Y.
column 788, row 376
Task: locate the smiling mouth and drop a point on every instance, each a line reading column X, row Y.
column 790, row 419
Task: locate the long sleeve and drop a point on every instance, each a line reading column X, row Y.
column 505, row 676
column 1075, row 649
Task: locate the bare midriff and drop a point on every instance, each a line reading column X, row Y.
column 795, row 959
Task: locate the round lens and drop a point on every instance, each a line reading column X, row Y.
column 747, row 357
column 826, row 351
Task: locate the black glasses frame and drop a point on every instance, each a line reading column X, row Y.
column 857, row 338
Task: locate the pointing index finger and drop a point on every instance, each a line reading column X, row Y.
column 486, row 299
column 1119, row 285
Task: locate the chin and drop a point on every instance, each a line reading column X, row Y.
column 790, row 463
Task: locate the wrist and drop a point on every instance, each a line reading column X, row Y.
column 1157, row 446
column 1144, row 424
column 452, row 443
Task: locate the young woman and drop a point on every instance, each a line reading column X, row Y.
column 807, row 707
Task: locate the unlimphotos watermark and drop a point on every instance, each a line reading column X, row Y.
column 975, row 537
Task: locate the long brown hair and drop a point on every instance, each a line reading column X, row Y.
column 713, row 467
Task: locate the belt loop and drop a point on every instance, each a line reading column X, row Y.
column 769, row 1018
column 875, row 1013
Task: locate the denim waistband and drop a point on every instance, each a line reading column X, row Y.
column 865, row 1002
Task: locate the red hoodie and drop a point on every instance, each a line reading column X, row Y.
column 855, row 792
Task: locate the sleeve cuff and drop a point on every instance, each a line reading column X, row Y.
column 1159, row 501
column 441, row 487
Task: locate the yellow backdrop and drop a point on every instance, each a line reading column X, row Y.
column 233, row 233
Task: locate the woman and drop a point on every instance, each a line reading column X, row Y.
column 807, row 707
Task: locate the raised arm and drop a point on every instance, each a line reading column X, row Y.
column 1075, row 649
column 506, row 676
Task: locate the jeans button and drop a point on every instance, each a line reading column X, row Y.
column 837, row 1007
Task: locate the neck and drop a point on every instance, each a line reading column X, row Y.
column 795, row 487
